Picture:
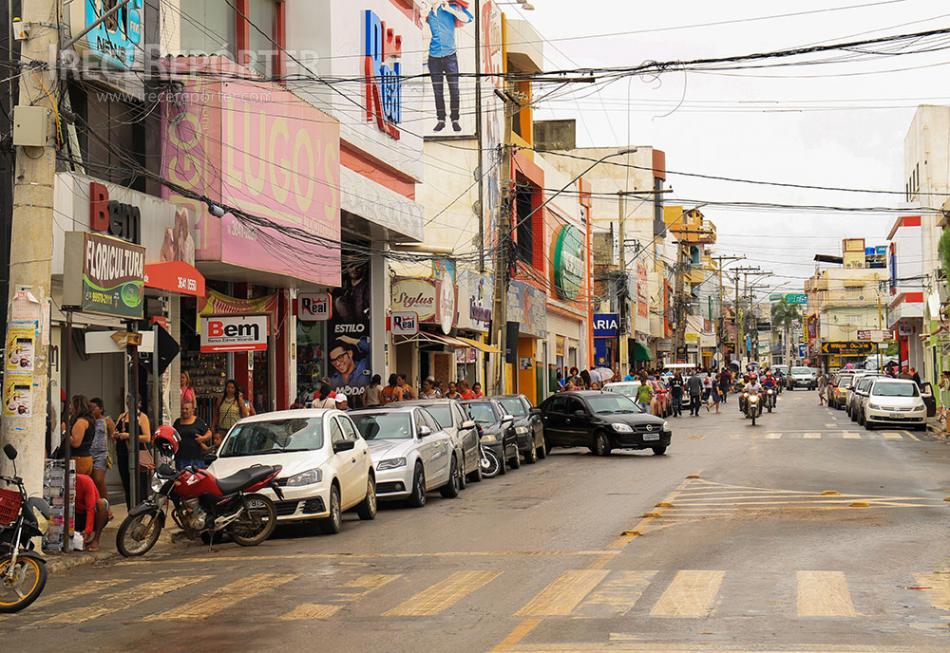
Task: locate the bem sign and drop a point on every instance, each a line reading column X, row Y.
column 314, row 307
column 113, row 217
column 223, row 333
column 606, row 325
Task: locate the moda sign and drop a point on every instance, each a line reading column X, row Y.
column 568, row 262
column 104, row 275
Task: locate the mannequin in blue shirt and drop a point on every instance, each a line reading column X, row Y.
column 443, row 17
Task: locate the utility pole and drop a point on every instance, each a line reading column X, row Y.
column 502, row 243
column 479, row 137
column 720, row 323
column 31, row 246
column 624, row 319
column 740, row 316
column 679, row 300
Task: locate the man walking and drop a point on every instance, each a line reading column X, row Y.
column 695, row 388
column 443, row 18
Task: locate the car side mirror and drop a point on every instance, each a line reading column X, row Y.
column 468, row 424
column 210, row 458
column 580, row 413
column 424, row 431
column 10, row 451
column 507, row 420
column 536, row 411
column 343, row 445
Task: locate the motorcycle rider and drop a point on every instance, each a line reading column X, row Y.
column 770, row 383
column 752, row 386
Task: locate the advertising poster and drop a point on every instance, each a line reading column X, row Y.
column 348, row 344
column 17, row 395
column 104, row 275
column 21, row 348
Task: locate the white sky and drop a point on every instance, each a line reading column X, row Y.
column 858, row 147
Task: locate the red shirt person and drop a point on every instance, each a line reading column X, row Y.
column 92, row 511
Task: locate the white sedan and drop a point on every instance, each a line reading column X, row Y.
column 412, row 454
column 325, row 464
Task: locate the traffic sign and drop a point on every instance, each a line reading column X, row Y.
column 796, row 298
column 848, row 348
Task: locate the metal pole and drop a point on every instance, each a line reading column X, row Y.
column 132, row 400
column 67, row 445
column 479, row 137
column 156, row 379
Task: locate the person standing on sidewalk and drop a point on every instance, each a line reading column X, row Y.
column 105, row 427
column 695, row 388
column 122, row 451
column 228, row 409
column 822, row 388
column 82, row 434
column 676, row 394
column 195, row 439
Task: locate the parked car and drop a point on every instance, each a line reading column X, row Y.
column 325, row 464
column 857, row 398
column 838, row 389
column 602, row 421
column 802, row 377
column 497, row 430
column 412, row 454
column 895, row 402
column 528, row 428
column 464, row 432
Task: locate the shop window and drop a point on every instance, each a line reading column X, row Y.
column 208, row 27
column 530, row 226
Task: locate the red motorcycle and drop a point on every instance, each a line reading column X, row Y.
column 201, row 504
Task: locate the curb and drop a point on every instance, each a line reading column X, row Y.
column 59, row 563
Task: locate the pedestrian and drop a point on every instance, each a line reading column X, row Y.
column 324, row 398
column 105, row 427
column 695, row 388
column 676, row 394
column 453, row 392
column 187, row 392
column 195, row 439
column 371, row 397
column 707, row 390
column 122, row 435
column 429, row 391
column 716, row 394
column 585, row 380
column 341, row 402
column 92, row 512
column 915, row 376
column 822, row 385
column 229, row 408
column 644, row 396
column 477, row 390
column 392, row 392
column 407, row 391
column 725, row 380
column 82, row 433
column 465, row 391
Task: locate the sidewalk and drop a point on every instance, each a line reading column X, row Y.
column 936, row 426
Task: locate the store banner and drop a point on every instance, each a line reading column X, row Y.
column 606, row 325
column 175, row 277
column 349, row 351
column 417, row 295
column 104, row 275
column 527, row 306
column 220, row 304
column 314, row 306
column 234, row 333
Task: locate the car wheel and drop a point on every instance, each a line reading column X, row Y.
column 334, row 523
column 601, row 446
column 543, row 449
column 451, row 489
column 516, row 460
column 868, row 424
column 659, row 451
column 463, row 479
column 418, row 497
column 502, row 465
column 476, row 476
column 367, row 508
column 531, row 456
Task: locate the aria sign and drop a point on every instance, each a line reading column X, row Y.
column 568, row 262
column 382, row 51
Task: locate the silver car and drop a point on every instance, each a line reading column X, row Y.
column 461, row 428
column 857, row 398
column 411, row 453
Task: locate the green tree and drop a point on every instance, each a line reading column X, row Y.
column 784, row 315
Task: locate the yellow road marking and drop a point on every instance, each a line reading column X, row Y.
column 311, row 611
column 939, row 584
column 561, row 597
column 628, row 642
column 773, row 436
column 812, row 436
column 824, row 594
column 90, row 587
column 889, row 435
column 912, row 437
column 696, row 437
column 121, row 600
column 851, row 435
column 515, row 636
column 225, row 597
column 691, row 594
column 444, row 594
column 364, row 585
column 617, row 596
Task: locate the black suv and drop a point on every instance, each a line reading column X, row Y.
column 602, row 421
column 528, row 428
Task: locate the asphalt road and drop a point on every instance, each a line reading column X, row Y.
column 803, row 533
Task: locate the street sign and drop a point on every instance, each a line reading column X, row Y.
column 802, row 351
column 314, row 307
column 874, row 335
column 606, row 325
column 848, row 348
column 796, row 298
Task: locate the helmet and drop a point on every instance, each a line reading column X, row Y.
column 166, row 440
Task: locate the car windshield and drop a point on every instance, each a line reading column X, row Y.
column 483, row 413
column 801, row 370
column 627, row 389
column 612, row 404
column 895, row 390
column 383, row 426
column 442, row 414
column 514, row 406
column 276, row 436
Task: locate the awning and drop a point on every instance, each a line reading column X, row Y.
column 640, row 353
column 424, row 337
column 175, row 277
column 480, row 346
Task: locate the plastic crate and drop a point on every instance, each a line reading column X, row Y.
column 9, row 506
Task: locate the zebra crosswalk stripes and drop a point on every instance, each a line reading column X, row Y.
column 564, row 594
column 824, row 594
column 691, row 594
column 130, row 596
column 220, row 600
column 617, row 595
column 443, row 595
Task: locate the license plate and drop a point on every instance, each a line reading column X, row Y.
column 895, row 415
column 648, row 437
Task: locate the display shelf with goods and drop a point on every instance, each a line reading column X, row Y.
column 54, row 486
column 208, row 372
column 311, row 357
column 261, row 384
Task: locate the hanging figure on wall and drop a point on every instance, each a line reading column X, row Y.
column 444, row 17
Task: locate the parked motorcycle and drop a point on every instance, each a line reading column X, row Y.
column 201, row 504
column 490, row 463
column 753, row 406
column 22, row 518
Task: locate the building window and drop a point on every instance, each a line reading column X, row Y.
column 208, row 27
column 263, row 53
column 524, row 235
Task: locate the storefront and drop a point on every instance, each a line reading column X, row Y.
column 527, row 325
column 475, row 293
column 607, row 340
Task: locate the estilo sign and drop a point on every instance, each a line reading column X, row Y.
column 233, row 333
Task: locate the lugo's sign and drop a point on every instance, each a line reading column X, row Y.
column 104, row 275
column 382, row 51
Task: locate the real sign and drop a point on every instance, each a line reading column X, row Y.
column 314, row 307
column 606, row 325
column 234, row 333
column 382, row 70
column 404, row 323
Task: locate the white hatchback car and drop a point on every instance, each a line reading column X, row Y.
column 326, row 466
column 412, row 454
column 895, row 402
